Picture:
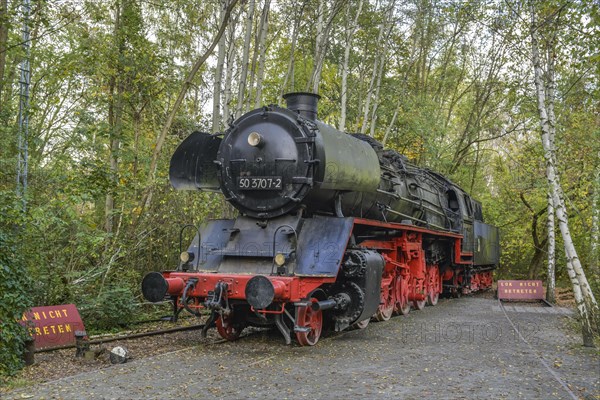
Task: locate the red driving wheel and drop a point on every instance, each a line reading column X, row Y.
column 386, row 308
column 228, row 329
column 434, row 285
column 306, row 317
column 402, row 305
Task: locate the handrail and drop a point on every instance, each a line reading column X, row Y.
column 274, row 243
column 199, row 241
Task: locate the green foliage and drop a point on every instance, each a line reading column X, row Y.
column 15, row 287
column 114, row 307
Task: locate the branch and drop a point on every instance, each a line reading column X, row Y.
column 536, row 215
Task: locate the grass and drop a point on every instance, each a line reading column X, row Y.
column 15, row 382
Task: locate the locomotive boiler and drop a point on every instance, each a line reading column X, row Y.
column 333, row 229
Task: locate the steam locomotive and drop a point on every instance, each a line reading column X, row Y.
column 333, row 231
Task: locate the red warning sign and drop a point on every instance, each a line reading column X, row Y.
column 53, row 326
column 520, row 290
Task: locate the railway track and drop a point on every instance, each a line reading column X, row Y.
column 115, row 338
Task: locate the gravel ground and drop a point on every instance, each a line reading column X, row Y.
column 461, row 349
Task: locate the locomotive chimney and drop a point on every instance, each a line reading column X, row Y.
column 303, row 103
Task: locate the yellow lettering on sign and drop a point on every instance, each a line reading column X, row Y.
column 36, row 315
column 51, row 314
column 53, row 329
column 68, row 328
column 46, row 331
column 65, row 312
column 37, row 331
column 60, row 329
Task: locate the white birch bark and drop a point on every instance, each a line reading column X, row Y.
column 376, row 95
column 216, row 111
column 349, row 36
column 322, row 42
column 264, row 27
column 549, row 97
column 551, row 279
column 596, row 219
column 289, row 75
column 388, row 131
column 230, row 60
column 375, row 74
column 383, row 56
column 245, row 59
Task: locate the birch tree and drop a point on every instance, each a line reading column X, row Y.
column 586, row 303
column 245, row 59
column 377, row 66
column 230, row 59
column 323, row 30
column 350, row 32
column 261, row 51
column 216, row 111
column 4, row 19
column 595, row 247
column 551, row 273
column 115, row 109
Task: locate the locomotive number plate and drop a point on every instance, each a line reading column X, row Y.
column 259, row 183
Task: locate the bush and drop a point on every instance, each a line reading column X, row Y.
column 15, row 297
column 114, row 307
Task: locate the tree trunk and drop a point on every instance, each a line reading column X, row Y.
column 290, row 69
column 595, row 248
column 322, row 42
column 245, row 60
column 550, row 279
column 264, row 28
column 216, row 111
column 351, row 32
column 376, row 95
column 137, row 127
column 3, row 43
column 550, row 224
column 318, row 44
column 584, row 298
column 538, row 246
column 374, row 76
column 390, row 126
column 115, row 117
column 229, row 71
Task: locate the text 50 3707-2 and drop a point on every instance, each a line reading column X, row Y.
column 259, row 182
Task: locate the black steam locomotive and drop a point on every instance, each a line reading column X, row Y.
column 334, row 230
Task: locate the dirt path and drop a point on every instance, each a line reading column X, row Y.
column 460, row 349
